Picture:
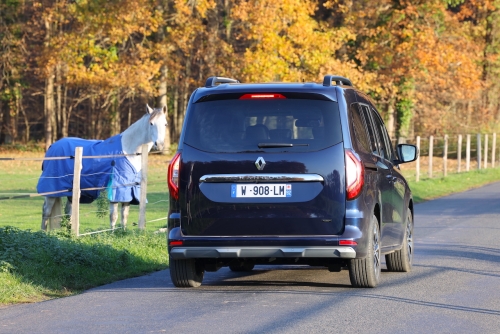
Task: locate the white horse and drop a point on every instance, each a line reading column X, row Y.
column 99, row 172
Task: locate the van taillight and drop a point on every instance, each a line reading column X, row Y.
column 354, row 174
column 173, row 176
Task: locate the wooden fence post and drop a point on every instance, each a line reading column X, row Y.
column 75, row 210
column 445, row 156
column 485, row 151
column 417, row 176
column 459, row 153
column 493, row 148
column 467, row 154
column 478, row 136
column 144, row 187
column 431, row 152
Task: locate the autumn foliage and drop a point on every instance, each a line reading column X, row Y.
column 87, row 67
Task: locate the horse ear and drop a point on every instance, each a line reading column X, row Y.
column 164, row 109
column 149, row 109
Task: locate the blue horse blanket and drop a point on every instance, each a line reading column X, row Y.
column 116, row 174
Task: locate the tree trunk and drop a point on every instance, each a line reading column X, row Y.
column 65, row 114
column 14, row 125
column 176, row 110
column 185, row 94
column 115, row 116
column 97, row 115
column 49, row 94
column 49, row 109
column 6, row 137
column 1, row 114
column 161, row 101
column 59, row 111
column 228, row 21
column 180, row 109
column 91, row 130
column 27, row 131
column 469, row 115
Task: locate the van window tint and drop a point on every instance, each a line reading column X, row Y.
column 294, row 125
column 384, row 143
column 361, row 136
column 369, row 126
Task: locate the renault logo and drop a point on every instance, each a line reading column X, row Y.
column 260, row 163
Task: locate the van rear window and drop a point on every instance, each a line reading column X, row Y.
column 275, row 125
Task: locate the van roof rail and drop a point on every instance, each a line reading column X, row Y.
column 213, row 81
column 339, row 81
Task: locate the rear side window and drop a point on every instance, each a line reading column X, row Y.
column 373, row 137
column 384, row 143
column 275, row 125
column 360, row 134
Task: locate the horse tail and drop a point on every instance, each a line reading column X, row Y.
column 109, row 187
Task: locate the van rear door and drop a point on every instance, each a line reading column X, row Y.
column 269, row 166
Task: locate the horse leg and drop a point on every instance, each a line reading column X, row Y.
column 113, row 214
column 68, row 209
column 51, row 213
column 125, row 211
column 56, row 215
column 48, row 203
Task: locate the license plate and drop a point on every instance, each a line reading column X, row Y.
column 261, row 190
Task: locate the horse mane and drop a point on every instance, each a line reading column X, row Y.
column 156, row 113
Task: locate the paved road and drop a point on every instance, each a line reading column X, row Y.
column 454, row 288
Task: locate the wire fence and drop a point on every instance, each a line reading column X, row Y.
column 21, row 205
column 440, row 155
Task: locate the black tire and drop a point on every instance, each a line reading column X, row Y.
column 365, row 273
column 186, row 273
column 402, row 259
column 241, row 266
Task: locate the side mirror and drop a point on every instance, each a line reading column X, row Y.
column 407, row 153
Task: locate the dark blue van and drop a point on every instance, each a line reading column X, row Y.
column 287, row 173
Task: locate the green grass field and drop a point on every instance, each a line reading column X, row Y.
column 21, row 177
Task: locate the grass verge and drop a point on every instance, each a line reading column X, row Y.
column 428, row 189
column 36, row 266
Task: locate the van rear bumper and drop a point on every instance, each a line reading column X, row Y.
column 341, row 252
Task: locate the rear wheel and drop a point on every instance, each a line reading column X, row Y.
column 365, row 273
column 402, row 259
column 241, row 266
column 186, row 273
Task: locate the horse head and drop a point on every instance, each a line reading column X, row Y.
column 158, row 125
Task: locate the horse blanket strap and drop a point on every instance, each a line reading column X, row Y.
column 98, row 172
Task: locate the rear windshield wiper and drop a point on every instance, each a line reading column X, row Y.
column 268, row 145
